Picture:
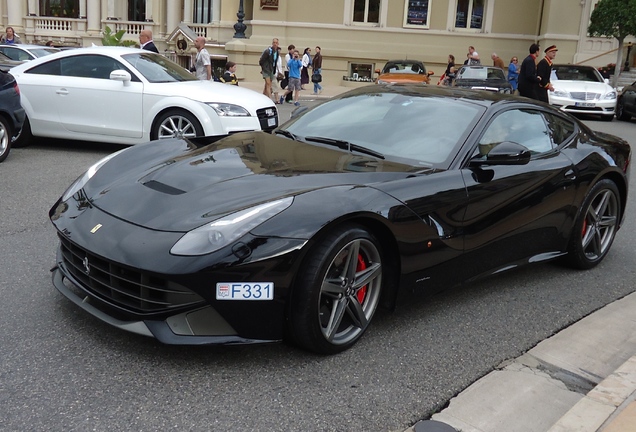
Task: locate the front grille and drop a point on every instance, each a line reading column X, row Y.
column 264, row 116
column 126, row 288
column 585, row 96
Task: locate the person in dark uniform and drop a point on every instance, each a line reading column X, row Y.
column 544, row 70
column 528, row 78
column 229, row 77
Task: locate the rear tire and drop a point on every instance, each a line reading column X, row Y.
column 337, row 292
column 5, row 138
column 176, row 124
column 24, row 137
column 620, row 111
column 595, row 227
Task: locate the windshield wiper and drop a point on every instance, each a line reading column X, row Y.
column 286, row 133
column 345, row 145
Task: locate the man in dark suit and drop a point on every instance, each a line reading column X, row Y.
column 528, row 78
column 145, row 40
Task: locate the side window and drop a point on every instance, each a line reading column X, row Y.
column 49, row 68
column 89, row 66
column 525, row 127
column 560, row 128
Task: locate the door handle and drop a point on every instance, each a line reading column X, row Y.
column 62, row 92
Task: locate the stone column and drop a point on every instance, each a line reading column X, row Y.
column 111, row 10
column 188, row 11
column 173, row 16
column 93, row 17
column 82, row 9
column 15, row 14
column 149, row 17
column 33, row 8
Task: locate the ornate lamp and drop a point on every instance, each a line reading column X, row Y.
column 239, row 27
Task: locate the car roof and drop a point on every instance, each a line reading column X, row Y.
column 105, row 50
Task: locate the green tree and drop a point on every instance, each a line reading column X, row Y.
column 614, row 19
column 114, row 39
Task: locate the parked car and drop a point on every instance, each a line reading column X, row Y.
column 626, row 105
column 130, row 96
column 6, row 63
column 303, row 233
column 24, row 52
column 11, row 112
column 487, row 78
column 403, row 71
column 582, row 90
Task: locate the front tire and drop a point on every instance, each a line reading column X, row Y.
column 338, row 291
column 596, row 226
column 176, row 124
column 5, row 138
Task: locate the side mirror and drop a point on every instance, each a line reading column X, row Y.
column 504, row 153
column 431, row 73
column 121, row 75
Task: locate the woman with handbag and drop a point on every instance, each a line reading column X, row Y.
column 304, row 73
column 316, row 76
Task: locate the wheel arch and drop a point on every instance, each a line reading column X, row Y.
column 390, row 251
column 620, row 183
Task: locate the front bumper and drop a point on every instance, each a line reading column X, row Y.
column 573, row 106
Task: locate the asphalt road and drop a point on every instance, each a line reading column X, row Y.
column 63, row 370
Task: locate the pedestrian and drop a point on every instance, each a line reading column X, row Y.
column 146, row 42
column 473, row 58
column 544, row 70
column 285, row 82
column 497, row 61
column 202, row 64
column 317, row 71
column 528, row 78
column 294, row 66
column 450, row 64
column 513, row 73
column 268, row 66
column 10, row 38
column 280, row 77
column 229, row 77
column 304, row 74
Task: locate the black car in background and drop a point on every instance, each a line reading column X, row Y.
column 11, row 112
column 487, row 78
column 626, row 105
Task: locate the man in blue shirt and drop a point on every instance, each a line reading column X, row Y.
column 294, row 65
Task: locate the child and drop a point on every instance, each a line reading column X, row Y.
column 229, row 77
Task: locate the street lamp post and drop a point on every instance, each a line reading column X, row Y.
column 239, row 27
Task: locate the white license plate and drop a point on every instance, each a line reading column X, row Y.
column 271, row 121
column 245, row 291
column 584, row 104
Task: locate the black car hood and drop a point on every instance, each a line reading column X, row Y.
column 176, row 186
column 469, row 83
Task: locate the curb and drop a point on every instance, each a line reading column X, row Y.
column 607, row 407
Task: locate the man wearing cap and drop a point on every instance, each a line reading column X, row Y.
column 544, row 70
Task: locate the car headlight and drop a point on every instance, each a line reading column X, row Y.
column 229, row 110
column 610, row 95
column 561, row 93
column 222, row 232
column 90, row 172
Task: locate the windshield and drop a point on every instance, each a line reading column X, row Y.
column 41, row 52
column 158, row 69
column 575, row 73
column 426, row 130
column 483, row 73
column 404, row 67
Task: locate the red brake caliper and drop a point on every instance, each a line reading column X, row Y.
column 584, row 227
column 363, row 291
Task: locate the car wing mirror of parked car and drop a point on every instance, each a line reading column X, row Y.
column 504, row 153
column 121, row 75
column 431, row 73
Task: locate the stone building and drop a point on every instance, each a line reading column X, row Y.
column 356, row 36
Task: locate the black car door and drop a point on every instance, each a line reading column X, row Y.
column 516, row 212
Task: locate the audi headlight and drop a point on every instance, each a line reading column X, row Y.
column 610, row 95
column 90, row 172
column 229, row 110
column 222, row 232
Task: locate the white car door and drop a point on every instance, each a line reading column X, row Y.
column 89, row 102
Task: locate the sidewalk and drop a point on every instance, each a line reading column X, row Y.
column 328, row 91
column 581, row 379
